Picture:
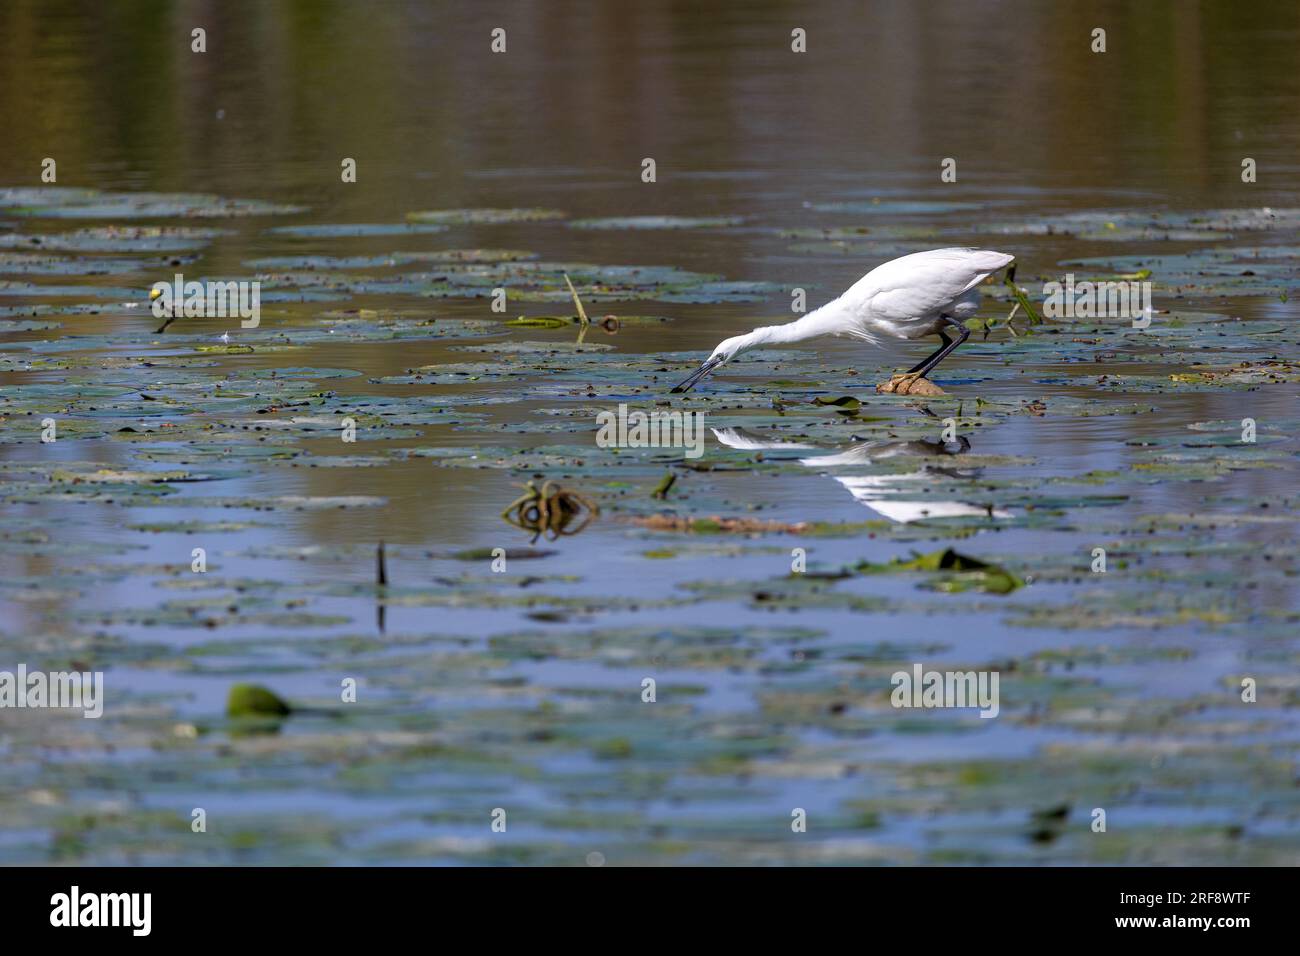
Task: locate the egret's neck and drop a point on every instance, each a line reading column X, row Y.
column 828, row 320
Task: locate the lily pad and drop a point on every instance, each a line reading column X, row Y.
column 253, row 700
column 117, row 239
column 483, row 216
column 56, row 202
column 356, row 230
column 954, row 572
column 657, row 222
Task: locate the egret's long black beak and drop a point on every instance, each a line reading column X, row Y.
column 698, row 374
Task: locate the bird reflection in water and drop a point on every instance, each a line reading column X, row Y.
column 886, row 494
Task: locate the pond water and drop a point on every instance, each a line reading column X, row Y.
column 762, row 593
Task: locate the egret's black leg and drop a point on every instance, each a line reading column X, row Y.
column 921, row 364
column 963, row 333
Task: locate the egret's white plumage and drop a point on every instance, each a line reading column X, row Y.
column 886, row 493
column 906, row 298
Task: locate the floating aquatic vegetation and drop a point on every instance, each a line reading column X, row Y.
column 73, row 308
column 374, row 326
column 1131, row 225
column 117, row 239
column 477, row 272
column 355, row 230
column 195, row 527
column 896, row 207
column 40, row 263
column 18, row 325
column 704, row 292
column 717, row 525
column 109, row 476
column 1201, row 377
column 541, row 322
column 56, row 202
column 391, row 260
column 657, row 222
column 483, row 216
column 953, row 571
column 32, row 290
column 510, row 554
column 1217, row 271
column 253, row 700
column 1135, row 612
column 281, row 502
column 550, row 510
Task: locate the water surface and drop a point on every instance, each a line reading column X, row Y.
column 522, row 689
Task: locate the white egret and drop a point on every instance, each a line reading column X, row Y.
column 925, row 293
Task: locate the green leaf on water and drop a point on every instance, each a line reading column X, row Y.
column 254, row 700
column 845, row 403
column 510, row 554
column 958, row 572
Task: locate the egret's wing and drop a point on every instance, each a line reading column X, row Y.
column 922, row 283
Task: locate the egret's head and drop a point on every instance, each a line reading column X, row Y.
column 724, row 353
column 728, row 349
